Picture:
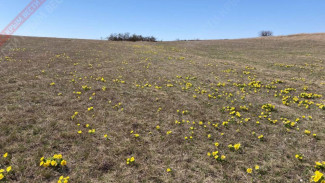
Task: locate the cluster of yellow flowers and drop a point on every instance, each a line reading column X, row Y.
column 299, row 156
column 216, row 156
column 310, row 95
column 55, row 161
column 320, row 165
column 4, row 172
column 250, row 170
column 130, row 160
column 86, row 88
column 268, row 107
column 63, row 179
column 318, row 177
column 234, row 147
column 212, row 90
column 74, row 115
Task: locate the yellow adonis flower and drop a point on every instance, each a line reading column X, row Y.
column 63, row 179
column 216, row 144
column 257, row 167
column 249, row 170
column 237, row 146
column 47, row 163
column 1, row 176
column 168, row 170
column 130, row 160
column 54, row 163
column 63, row 162
column 5, row 155
column 8, row 169
column 318, row 176
column 298, row 156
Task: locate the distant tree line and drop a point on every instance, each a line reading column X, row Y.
column 129, row 37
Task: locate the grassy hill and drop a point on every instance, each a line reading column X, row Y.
column 175, row 107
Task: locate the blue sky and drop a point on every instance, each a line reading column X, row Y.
column 168, row 19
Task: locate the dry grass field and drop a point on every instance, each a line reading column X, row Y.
column 246, row 110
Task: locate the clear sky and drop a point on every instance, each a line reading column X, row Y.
column 168, row 19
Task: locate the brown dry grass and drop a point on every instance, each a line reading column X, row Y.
column 36, row 122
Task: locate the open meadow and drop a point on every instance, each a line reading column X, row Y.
column 245, row 110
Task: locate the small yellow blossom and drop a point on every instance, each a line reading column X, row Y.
column 249, row 170
column 257, row 167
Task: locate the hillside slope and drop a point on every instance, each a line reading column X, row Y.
column 169, row 105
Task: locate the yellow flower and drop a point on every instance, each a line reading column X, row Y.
column 5, row 155
column 216, row 144
column 59, row 156
column 63, row 162
column 168, row 170
column 2, row 170
column 54, row 163
column 47, row 163
column 8, row 169
column 307, row 132
column 157, row 127
column 1, row 176
column 257, row 167
column 237, row 146
column 79, row 131
column 223, row 157
column 298, row 156
column 132, row 159
column 318, row 175
column 249, row 170
column 136, row 135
